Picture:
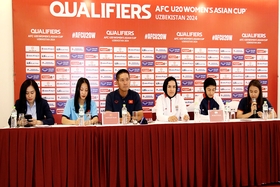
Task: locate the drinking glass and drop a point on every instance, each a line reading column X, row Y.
column 21, row 120
column 88, row 118
column 134, row 117
column 232, row 114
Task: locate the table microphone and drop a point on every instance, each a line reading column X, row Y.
column 254, row 111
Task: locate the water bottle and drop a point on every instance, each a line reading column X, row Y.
column 14, row 118
column 265, row 110
column 124, row 115
column 226, row 111
column 196, row 113
column 81, row 115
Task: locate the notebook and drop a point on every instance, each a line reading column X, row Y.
column 110, row 118
column 216, row 115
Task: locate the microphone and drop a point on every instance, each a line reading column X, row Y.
column 255, row 110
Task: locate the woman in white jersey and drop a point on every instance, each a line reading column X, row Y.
column 171, row 106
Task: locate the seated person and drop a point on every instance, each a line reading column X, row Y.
column 251, row 106
column 209, row 100
column 123, row 95
column 82, row 97
column 31, row 102
column 170, row 105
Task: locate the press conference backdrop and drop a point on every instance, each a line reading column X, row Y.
column 58, row 42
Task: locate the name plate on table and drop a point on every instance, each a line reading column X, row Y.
column 110, row 118
column 216, row 115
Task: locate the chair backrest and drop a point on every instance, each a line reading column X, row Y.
column 233, row 105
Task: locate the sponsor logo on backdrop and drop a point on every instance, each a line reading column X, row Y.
column 213, row 50
column 225, row 63
column 213, row 57
column 147, row 50
column 148, row 102
column 262, row 51
column 47, row 49
column 160, row 63
column 161, row 50
column 134, row 63
column 148, row 96
column 200, row 57
column 91, row 49
column 105, row 49
column 61, row 104
column 147, row 56
column 147, row 63
column 174, row 57
column 63, row 90
column 32, row 70
column 225, row 51
column 262, row 57
column 47, row 76
column 225, row 57
column 237, row 82
column 213, row 63
column 48, row 83
column 174, row 50
column 225, row 95
column 62, row 70
column 147, row 70
column 187, row 50
column 238, row 51
column 49, row 97
column 120, row 56
column 32, row 55
column 32, row 62
column 187, row 83
column 225, row 89
column 106, row 83
column 62, row 83
column 77, row 56
column 134, row 57
column 77, row 49
column 200, row 63
column 155, row 36
column 62, row 97
column 225, row 76
column 213, row 70
column 200, row 76
column 187, row 57
column 218, row 37
column 47, row 70
column 133, row 50
column 187, row 63
column 62, row 55
column 237, row 95
column 237, row 57
column 48, row 90
column 63, row 49
column 32, row 49
column 134, row 70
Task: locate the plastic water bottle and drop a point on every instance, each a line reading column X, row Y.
column 196, row 113
column 227, row 111
column 265, row 110
column 124, row 115
column 14, row 118
column 81, row 115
